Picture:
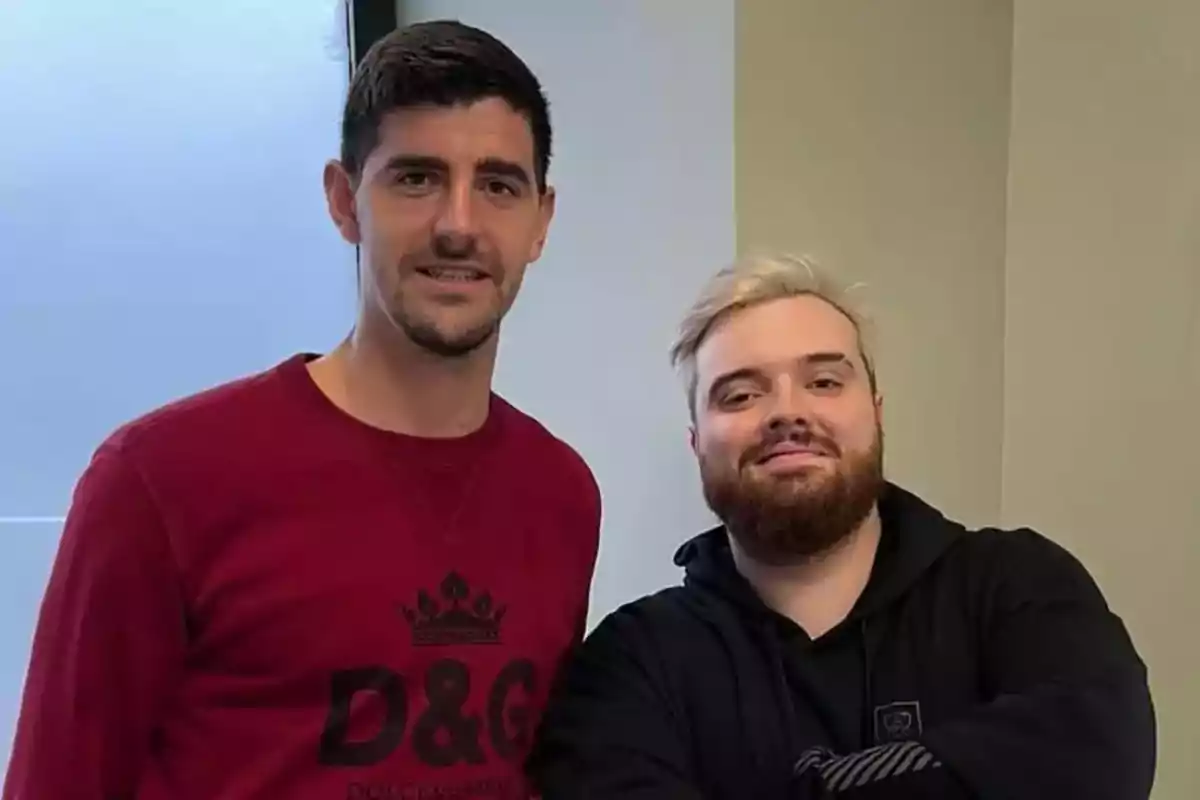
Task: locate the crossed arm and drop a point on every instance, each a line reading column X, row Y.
column 1070, row 714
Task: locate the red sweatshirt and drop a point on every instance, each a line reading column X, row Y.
column 257, row 596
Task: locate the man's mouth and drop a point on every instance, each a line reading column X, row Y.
column 794, row 451
column 454, row 274
column 782, row 453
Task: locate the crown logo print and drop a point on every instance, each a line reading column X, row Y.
column 458, row 618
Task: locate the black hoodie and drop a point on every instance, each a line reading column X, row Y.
column 976, row 664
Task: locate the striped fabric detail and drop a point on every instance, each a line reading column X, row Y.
column 866, row 766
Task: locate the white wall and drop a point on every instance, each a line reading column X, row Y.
column 641, row 96
column 1102, row 401
column 162, row 229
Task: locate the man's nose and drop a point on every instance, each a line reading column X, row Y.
column 790, row 408
column 457, row 215
column 787, row 426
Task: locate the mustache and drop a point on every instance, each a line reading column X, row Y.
column 454, row 247
column 801, row 437
column 454, row 250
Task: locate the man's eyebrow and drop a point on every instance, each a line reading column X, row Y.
column 745, row 373
column 504, row 168
column 405, row 161
column 752, row 373
column 497, row 167
column 828, row 358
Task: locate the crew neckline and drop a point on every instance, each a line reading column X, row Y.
column 294, row 372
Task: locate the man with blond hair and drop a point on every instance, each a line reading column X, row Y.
column 836, row 636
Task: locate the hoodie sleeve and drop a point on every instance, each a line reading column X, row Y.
column 1070, row 712
column 609, row 732
column 896, row 771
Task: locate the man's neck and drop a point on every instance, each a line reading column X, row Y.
column 820, row 592
column 397, row 386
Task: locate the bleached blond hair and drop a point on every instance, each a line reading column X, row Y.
column 751, row 281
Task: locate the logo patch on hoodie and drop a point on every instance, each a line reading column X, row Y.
column 898, row 722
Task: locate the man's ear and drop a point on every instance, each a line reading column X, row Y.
column 546, row 204
column 692, row 442
column 339, row 198
column 879, row 407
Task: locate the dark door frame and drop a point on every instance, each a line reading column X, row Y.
column 367, row 21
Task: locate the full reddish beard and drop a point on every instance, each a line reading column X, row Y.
column 786, row 519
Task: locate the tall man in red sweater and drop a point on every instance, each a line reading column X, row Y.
column 349, row 576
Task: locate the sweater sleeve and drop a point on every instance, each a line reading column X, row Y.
column 591, row 508
column 1071, row 713
column 107, row 647
column 609, row 733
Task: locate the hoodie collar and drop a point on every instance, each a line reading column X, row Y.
column 914, row 535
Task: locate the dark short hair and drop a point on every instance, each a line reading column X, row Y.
column 439, row 63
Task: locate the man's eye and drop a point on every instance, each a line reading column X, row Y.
column 414, row 180
column 501, row 188
column 737, row 398
column 826, row 384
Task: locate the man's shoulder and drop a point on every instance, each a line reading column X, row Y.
column 1021, row 560
column 651, row 609
column 661, row 620
column 220, row 411
column 1012, row 546
column 532, row 440
column 179, row 437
